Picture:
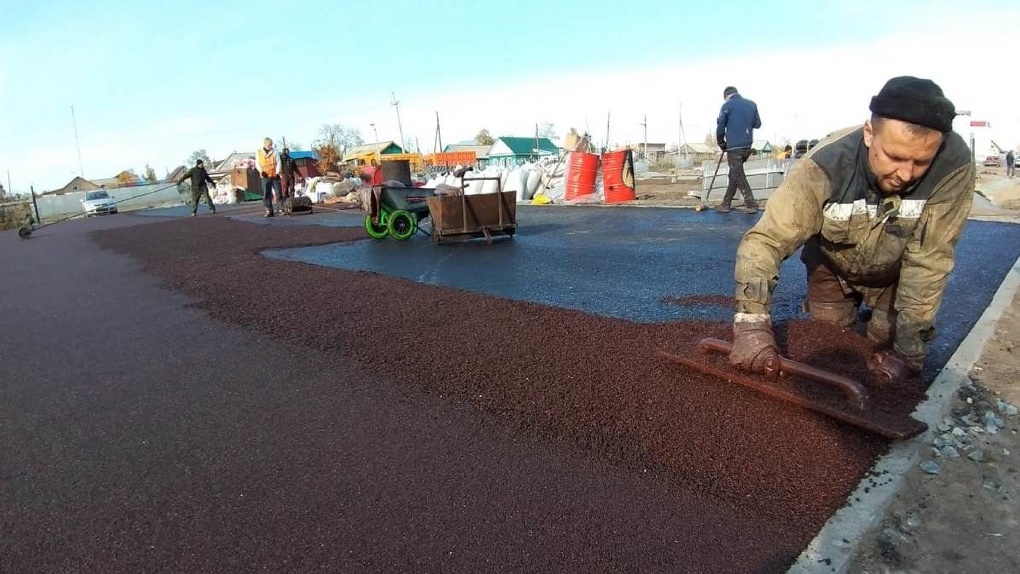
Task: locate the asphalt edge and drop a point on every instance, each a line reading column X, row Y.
column 834, row 547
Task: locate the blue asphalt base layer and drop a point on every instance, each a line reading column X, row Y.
column 623, row 262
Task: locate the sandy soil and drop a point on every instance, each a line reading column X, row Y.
column 664, row 191
column 1002, row 191
column 965, row 518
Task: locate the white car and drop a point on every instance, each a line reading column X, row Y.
column 98, row 203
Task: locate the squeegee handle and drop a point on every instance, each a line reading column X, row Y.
column 851, row 389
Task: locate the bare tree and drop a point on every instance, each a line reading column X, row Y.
column 199, row 155
column 333, row 143
column 292, row 146
column 150, row 174
column 484, row 138
column 710, row 140
column 547, row 130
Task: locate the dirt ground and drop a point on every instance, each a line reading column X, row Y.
column 965, row 518
column 666, row 192
column 959, row 510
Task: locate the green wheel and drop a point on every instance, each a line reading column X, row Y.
column 402, row 225
column 375, row 231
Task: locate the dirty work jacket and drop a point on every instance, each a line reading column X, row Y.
column 199, row 178
column 871, row 240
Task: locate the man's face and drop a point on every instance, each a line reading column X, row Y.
column 898, row 156
column 267, row 143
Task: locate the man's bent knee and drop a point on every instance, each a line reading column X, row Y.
column 841, row 313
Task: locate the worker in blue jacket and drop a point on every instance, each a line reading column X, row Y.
column 734, row 133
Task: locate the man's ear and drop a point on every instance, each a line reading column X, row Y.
column 869, row 133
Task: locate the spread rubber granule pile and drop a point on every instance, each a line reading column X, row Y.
column 553, row 373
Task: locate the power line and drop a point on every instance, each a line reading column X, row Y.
column 81, row 170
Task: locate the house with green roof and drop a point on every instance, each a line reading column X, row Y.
column 512, row 151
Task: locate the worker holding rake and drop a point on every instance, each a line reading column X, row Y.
column 878, row 210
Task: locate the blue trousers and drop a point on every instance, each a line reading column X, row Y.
column 269, row 185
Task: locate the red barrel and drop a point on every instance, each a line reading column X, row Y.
column 582, row 170
column 374, row 173
column 618, row 176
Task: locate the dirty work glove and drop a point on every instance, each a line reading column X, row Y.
column 894, row 367
column 722, row 146
column 754, row 347
column 265, row 175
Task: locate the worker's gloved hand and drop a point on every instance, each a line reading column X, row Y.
column 265, row 175
column 754, row 348
column 722, row 145
column 894, row 367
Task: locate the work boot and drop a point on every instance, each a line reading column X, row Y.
column 747, row 209
column 723, row 208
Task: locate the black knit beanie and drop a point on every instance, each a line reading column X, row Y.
column 916, row 101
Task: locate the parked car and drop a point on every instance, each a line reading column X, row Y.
column 992, row 161
column 98, row 203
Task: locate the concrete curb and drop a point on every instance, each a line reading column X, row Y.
column 837, row 543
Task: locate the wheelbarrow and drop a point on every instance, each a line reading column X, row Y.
column 395, row 211
column 465, row 216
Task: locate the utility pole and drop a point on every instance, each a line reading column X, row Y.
column 378, row 159
column 683, row 136
column 607, row 132
column 644, row 124
column 81, row 170
column 400, row 127
column 973, row 151
column 537, row 147
column 439, row 136
column 9, row 188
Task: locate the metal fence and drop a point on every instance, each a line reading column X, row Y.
column 764, row 176
column 127, row 198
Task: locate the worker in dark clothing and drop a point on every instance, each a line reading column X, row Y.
column 289, row 175
column 734, row 133
column 200, row 182
column 878, row 211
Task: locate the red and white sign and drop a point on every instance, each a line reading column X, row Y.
column 980, row 124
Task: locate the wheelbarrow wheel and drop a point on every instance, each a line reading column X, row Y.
column 375, row 231
column 402, row 225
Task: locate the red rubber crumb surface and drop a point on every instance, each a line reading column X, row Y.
column 554, row 373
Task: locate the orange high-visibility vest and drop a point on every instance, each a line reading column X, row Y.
column 268, row 162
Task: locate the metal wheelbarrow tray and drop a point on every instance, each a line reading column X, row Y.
column 461, row 217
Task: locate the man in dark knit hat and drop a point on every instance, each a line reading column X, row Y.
column 878, row 210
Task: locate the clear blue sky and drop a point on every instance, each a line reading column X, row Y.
column 126, row 64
